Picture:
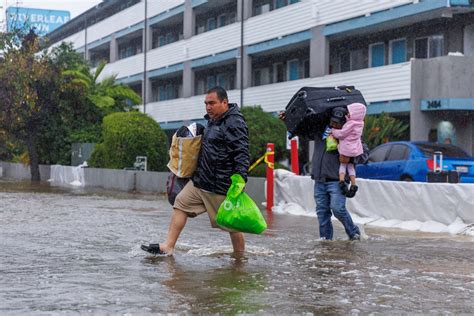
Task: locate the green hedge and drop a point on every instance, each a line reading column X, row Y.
column 264, row 128
column 127, row 135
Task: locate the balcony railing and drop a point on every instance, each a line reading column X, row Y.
column 392, row 82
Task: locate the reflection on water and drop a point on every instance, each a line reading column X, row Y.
column 78, row 251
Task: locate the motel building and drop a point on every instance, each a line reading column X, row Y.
column 413, row 59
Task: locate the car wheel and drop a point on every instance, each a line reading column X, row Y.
column 406, row 178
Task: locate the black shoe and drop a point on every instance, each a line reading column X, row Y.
column 352, row 191
column 343, row 187
column 154, row 249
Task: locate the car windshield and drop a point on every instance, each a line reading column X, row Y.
column 449, row 151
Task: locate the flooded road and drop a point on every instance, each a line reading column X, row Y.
column 79, row 251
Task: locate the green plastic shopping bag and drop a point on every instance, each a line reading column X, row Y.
column 238, row 211
column 331, row 143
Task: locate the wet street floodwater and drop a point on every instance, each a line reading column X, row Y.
column 66, row 250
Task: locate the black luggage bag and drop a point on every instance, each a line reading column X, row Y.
column 310, row 108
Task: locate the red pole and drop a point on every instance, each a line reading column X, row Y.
column 295, row 167
column 270, row 166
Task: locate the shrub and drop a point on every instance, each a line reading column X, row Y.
column 127, row 135
column 264, row 128
column 383, row 128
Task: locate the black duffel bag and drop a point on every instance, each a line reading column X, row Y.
column 310, row 108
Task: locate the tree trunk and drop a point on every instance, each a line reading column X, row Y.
column 34, row 159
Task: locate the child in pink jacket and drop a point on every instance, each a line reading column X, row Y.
column 350, row 144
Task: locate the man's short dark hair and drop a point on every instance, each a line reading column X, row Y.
column 220, row 92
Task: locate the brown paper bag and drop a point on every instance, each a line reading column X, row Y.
column 184, row 153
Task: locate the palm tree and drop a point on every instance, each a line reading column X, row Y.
column 106, row 94
column 383, row 128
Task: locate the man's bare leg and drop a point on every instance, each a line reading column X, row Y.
column 178, row 221
column 238, row 242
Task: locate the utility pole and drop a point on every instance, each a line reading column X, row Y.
column 242, row 54
column 145, row 47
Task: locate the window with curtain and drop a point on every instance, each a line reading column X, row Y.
column 377, row 55
column 293, row 69
column 436, row 46
column 211, row 24
column 222, row 20
column 280, row 3
column 211, row 82
column 162, row 40
column 162, row 93
column 398, row 51
column 222, row 81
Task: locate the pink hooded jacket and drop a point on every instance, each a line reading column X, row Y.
column 350, row 144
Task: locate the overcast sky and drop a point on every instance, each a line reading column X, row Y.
column 76, row 7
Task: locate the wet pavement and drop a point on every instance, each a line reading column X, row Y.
column 77, row 250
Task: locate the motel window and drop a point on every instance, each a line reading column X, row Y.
column 280, row 3
column 345, row 62
column 222, row 20
column 211, row 24
column 398, row 51
column 162, row 40
column 200, row 29
column 200, row 87
column 261, row 76
column 162, row 93
column 436, row 46
column 279, row 73
column 358, row 60
column 429, row 47
column 261, row 9
column 377, row 55
column 211, row 82
column 421, row 48
column 306, row 68
column 293, row 69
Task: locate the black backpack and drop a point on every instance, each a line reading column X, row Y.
column 363, row 158
column 174, row 185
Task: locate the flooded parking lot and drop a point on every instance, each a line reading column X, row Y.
column 79, row 251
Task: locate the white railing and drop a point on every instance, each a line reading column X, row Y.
column 156, row 7
column 288, row 20
column 124, row 67
column 392, row 82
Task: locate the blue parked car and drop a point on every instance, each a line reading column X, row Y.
column 410, row 161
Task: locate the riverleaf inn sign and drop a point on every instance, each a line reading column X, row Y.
column 42, row 20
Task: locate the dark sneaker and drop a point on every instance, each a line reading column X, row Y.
column 352, row 191
column 355, row 237
column 154, row 249
column 343, row 187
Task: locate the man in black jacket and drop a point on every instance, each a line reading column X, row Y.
column 327, row 192
column 224, row 152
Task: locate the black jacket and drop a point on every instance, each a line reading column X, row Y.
column 224, row 151
column 325, row 165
